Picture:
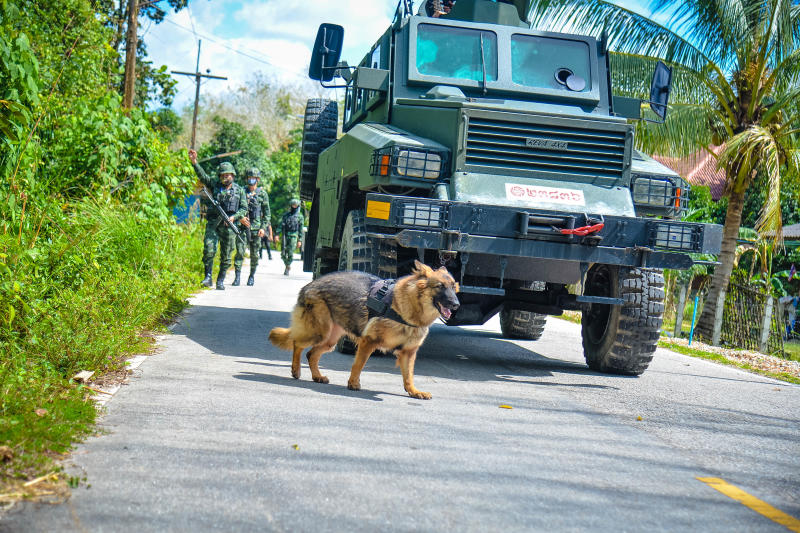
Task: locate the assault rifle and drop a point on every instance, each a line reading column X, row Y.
column 224, row 216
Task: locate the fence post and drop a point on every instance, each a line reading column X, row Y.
column 679, row 311
column 765, row 326
column 720, row 311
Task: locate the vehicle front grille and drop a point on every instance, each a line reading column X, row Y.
column 495, row 145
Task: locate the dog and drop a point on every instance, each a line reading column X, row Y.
column 339, row 304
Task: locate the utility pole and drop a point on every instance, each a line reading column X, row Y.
column 197, row 76
column 130, row 54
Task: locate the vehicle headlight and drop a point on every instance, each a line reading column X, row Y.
column 408, row 162
column 660, row 195
column 677, row 236
column 419, row 164
column 425, row 214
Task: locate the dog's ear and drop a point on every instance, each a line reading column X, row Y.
column 422, row 269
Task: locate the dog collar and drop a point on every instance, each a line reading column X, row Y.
column 379, row 301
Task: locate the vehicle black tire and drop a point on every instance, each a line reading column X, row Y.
column 357, row 251
column 319, row 132
column 362, row 253
column 518, row 324
column 621, row 339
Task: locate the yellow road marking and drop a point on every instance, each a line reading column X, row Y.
column 761, row 507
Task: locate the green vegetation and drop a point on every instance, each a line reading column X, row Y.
column 694, row 352
column 90, row 256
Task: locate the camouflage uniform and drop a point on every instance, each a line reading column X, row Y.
column 291, row 229
column 258, row 214
column 234, row 202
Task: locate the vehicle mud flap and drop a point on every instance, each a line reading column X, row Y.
column 621, row 339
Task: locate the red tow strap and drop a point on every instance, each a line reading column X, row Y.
column 583, row 231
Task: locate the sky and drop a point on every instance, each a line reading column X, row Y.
column 242, row 37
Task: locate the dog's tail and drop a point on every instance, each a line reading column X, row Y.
column 282, row 338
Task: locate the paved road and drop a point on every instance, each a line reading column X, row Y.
column 213, row 434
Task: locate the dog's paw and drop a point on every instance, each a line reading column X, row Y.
column 353, row 385
column 419, row 395
column 321, row 379
column 296, row 373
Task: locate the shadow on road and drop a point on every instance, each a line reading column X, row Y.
column 449, row 352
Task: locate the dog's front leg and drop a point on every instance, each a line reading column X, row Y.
column 406, row 359
column 365, row 349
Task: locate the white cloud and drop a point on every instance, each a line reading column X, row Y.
column 274, row 37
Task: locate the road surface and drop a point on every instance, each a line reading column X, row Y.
column 213, row 434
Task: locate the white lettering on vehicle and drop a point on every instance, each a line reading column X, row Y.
column 537, row 194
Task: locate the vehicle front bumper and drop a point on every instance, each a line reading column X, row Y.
column 511, row 231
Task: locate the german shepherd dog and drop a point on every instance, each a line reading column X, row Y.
column 336, row 304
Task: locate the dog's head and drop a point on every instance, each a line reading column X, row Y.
column 439, row 286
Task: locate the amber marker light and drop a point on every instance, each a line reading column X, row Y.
column 385, row 160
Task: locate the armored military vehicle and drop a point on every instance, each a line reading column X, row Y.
column 500, row 152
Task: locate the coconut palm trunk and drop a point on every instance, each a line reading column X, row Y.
column 722, row 273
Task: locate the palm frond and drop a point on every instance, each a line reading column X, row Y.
column 751, row 151
column 627, row 31
column 631, row 75
column 688, row 129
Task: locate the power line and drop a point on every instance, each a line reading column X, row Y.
column 235, row 50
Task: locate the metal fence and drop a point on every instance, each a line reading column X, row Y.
column 743, row 319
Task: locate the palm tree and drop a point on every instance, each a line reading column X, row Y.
column 737, row 72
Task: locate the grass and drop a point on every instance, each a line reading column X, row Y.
column 792, row 350
column 719, row 358
column 83, row 300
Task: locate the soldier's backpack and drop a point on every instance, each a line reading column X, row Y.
column 291, row 223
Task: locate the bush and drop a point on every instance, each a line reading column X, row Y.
column 79, row 301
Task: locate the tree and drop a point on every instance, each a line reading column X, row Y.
column 150, row 82
column 232, row 137
column 736, row 65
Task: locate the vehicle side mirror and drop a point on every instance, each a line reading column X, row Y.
column 659, row 89
column 326, row 53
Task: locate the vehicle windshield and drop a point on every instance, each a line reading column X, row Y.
column 547, row 63
column 456, row 53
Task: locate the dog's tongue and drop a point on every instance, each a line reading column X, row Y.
column 445, row 312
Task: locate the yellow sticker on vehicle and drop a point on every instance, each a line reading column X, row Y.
column 378, row 210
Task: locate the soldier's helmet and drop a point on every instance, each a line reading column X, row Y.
column 252, row 173
column 225, row 168
column 294, row 202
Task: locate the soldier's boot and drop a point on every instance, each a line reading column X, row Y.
column 237, row 280
column 207, row 281
column 221, row 281
column 252, row 279
column 286, row 272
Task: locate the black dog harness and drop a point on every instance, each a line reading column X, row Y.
column 379, row 301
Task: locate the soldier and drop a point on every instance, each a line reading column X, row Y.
column 291, row 229
column 231, row 198
column 257, row 221
column 266, row 243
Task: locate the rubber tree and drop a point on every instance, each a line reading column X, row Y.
column 736, row 66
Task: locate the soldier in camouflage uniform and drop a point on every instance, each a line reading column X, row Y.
column 254, row 225
column 231, row 198
column 291, row 229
